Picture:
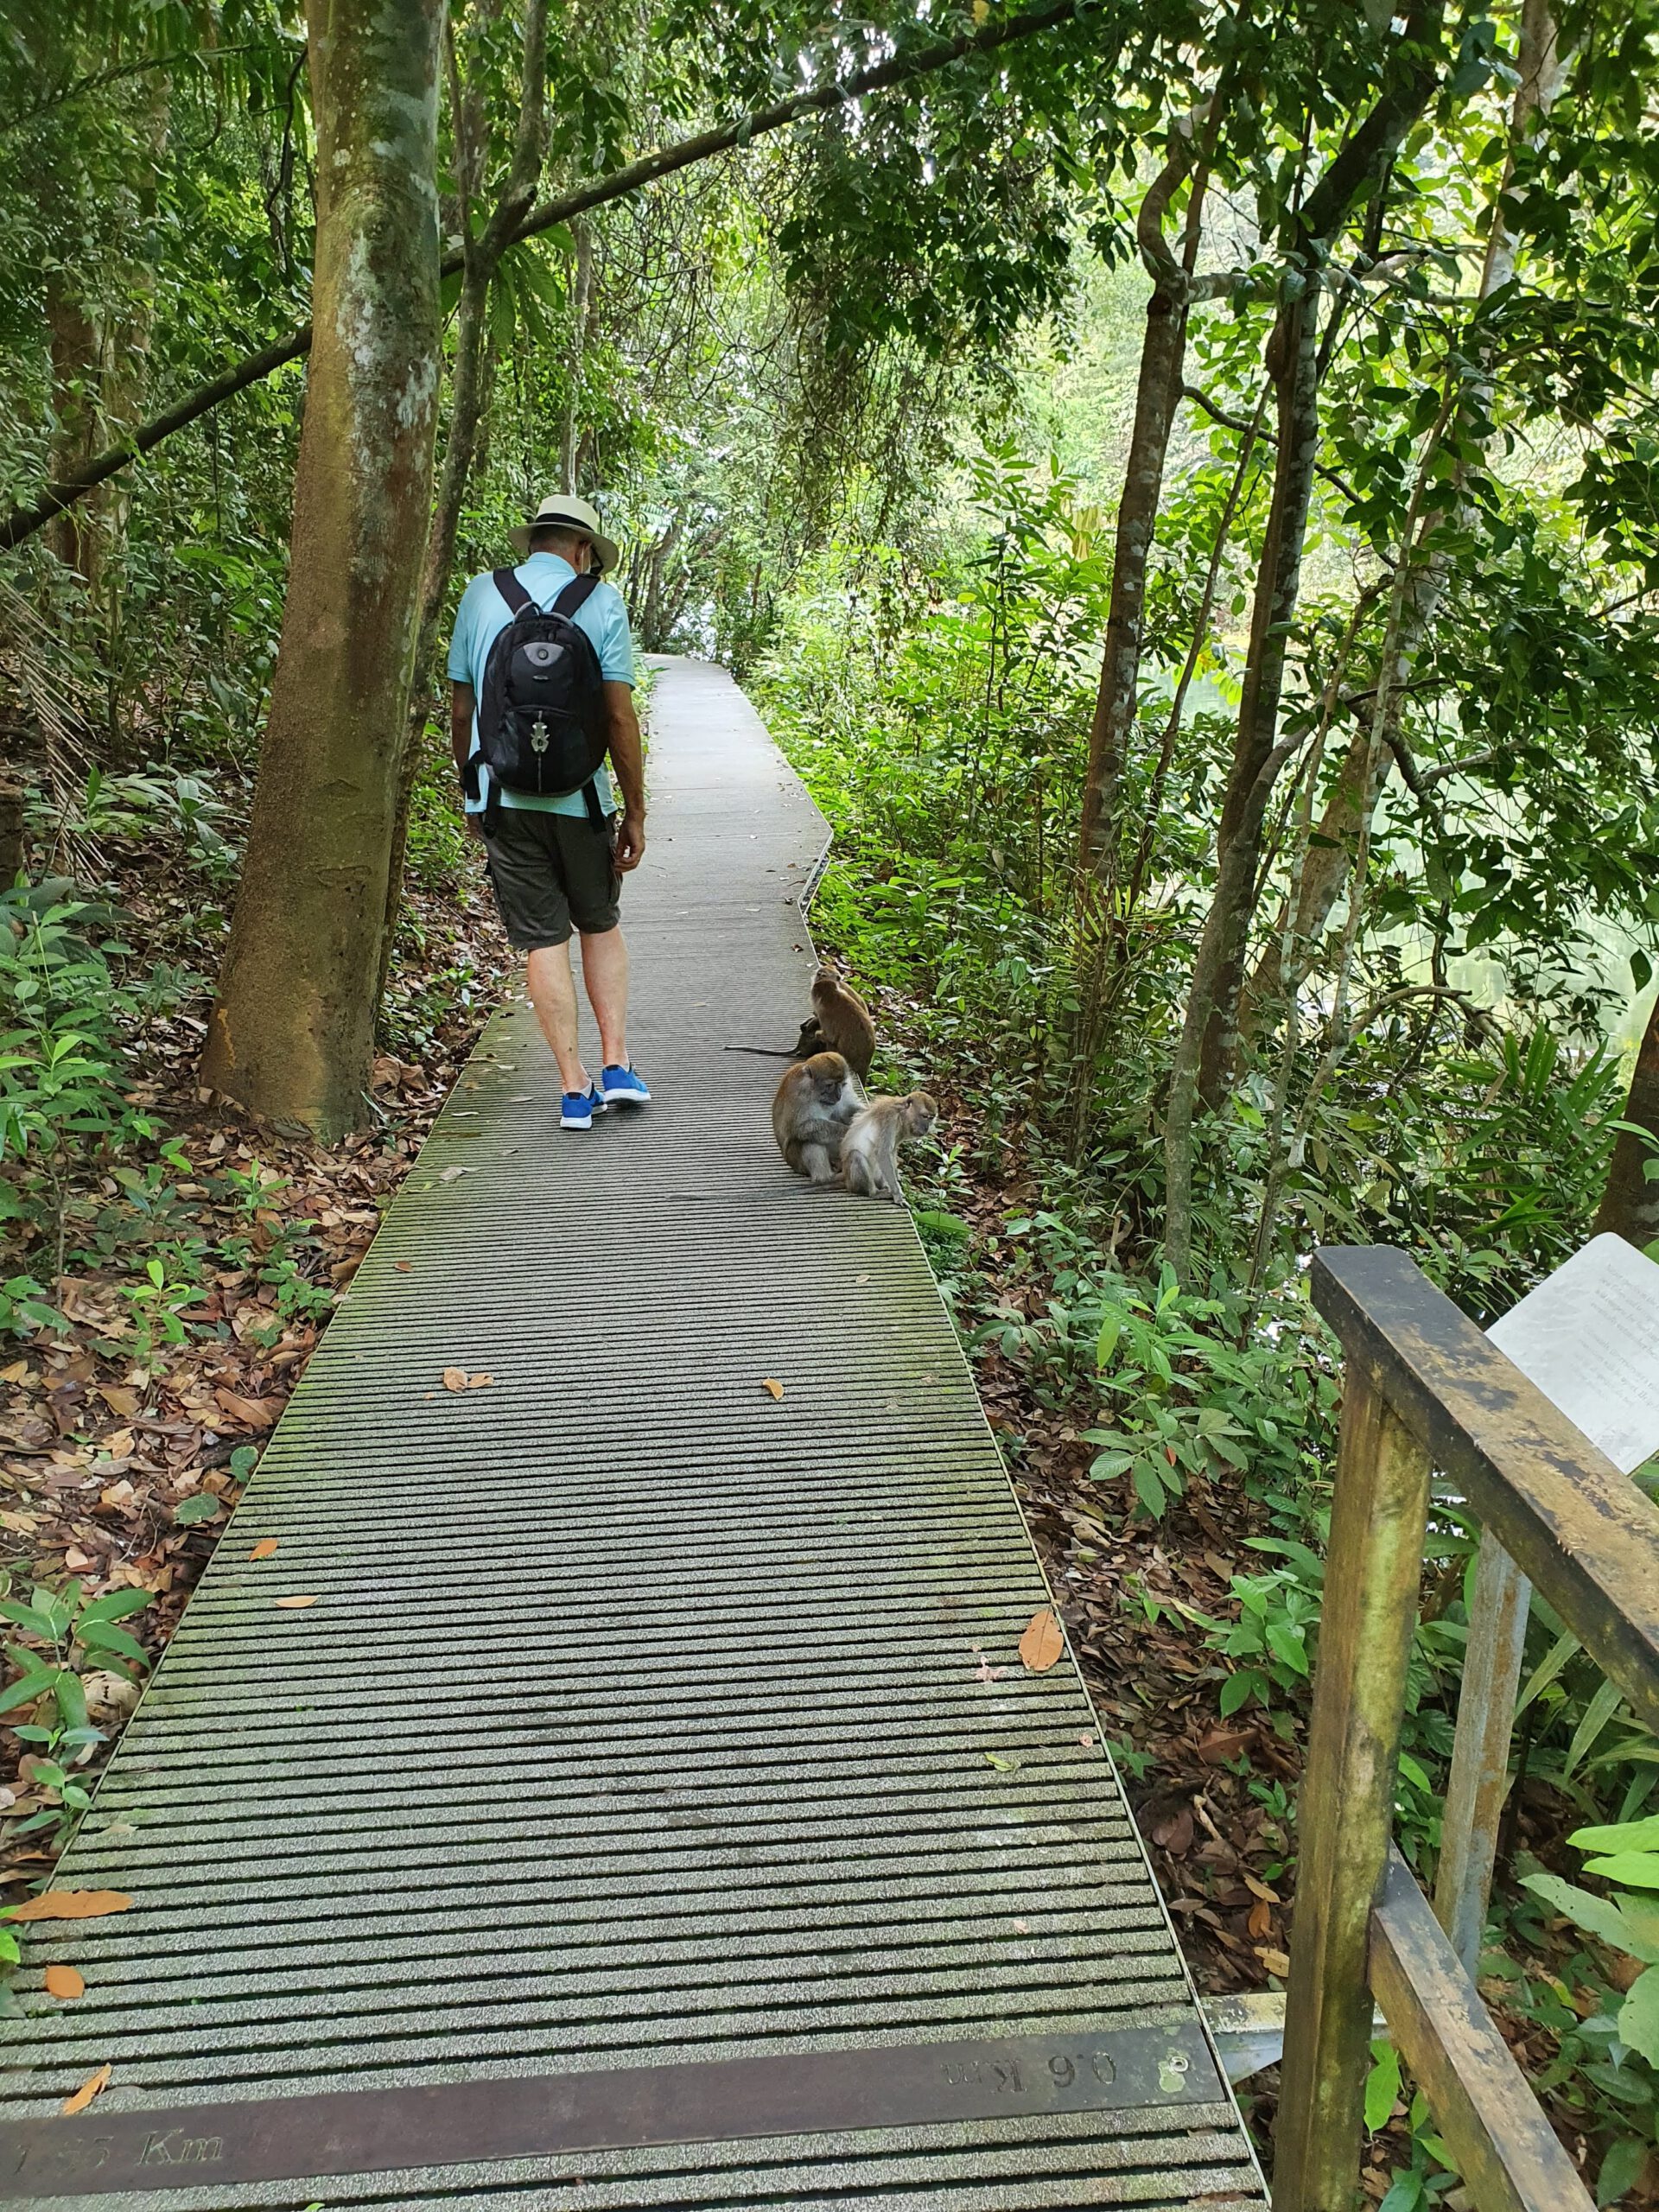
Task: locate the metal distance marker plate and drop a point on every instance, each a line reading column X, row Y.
column 456, row 2123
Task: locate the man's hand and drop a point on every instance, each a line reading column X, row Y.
column 630, row 843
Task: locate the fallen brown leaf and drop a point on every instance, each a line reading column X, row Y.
column 256, row 1412
column 88, row 2089
column 120, row 1401
column 770, row 1382
column 69, row 1904
column 293, row 1604
column 402, row 1266
column 65, row 1982
column 1261, row 1919
column 263, row 1549
column 1042, row 1645
column 480, row 1382
column 1218, row 1745
column 455, row 1378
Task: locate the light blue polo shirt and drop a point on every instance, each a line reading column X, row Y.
column 483, row 614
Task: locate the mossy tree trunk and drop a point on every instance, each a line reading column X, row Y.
column 292, row 1032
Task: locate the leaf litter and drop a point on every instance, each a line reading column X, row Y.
column 99, row 1448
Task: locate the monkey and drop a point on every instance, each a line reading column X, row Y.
column 869, row 1150
column 811, row 1106
column 840, row 1022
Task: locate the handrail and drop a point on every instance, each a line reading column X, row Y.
column 1425, row 1387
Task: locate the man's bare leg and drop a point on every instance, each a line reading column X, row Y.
column 553, row 994
column 605, row 971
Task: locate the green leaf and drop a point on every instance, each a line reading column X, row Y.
column 203, row 1506
column 1639, row 2017
column 947, row 1225
column 1599, row 1711
column 1639, row 1868
column 26, row 1691
column 1111, row 1329
column 100, row 1635
column 1285, row 1645
column 1237, row 1689
column 1382, row 2086
column 1548, row 1667
column 1598, row 1915
column 1621, row 2168
column 1405, row 2195
column 114, row 1606
column 1148, row 1488
column 1622, row 1836
column 72, row 1699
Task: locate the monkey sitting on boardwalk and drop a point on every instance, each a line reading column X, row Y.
column 839, row 1022
column 869, row 1151
column 811, row 1109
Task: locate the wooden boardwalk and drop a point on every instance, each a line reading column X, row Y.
column 651, row 1810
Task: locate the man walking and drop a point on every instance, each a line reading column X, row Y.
column 557, row 862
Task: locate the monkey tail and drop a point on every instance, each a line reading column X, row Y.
column 761, row 1051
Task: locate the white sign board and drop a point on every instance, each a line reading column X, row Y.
column 1589, row 1339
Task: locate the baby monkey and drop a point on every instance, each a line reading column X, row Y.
column 811, row 1109
column 869, row 1151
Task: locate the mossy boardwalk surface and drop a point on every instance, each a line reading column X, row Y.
column 643, row 1719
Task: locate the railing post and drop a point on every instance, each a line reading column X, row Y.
column 1480, row 1754
column 1345, row 1811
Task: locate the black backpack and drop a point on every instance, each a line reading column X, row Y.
column 542, row 727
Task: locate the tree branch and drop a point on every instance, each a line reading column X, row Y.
column 22, row 522
column 1238, row 422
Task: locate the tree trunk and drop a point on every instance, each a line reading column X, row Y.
column 12, row 824
column 292, row 1032
column 77, row 382
column 582, row 308
column 1360, row 779
column 1629, row 1205
column 1292, row 358
column 1158, row 393
column 1203, row 1054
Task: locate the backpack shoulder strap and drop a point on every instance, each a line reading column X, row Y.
column 511, row 590
column 576, row 592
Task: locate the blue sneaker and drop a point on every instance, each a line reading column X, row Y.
column 578, row 1108
column 623, row 1086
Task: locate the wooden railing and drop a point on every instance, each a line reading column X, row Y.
column 1424, row 1388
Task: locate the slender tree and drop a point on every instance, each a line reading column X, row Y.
column 1360, row 775
column 1158, row 393
column 292, row 1031
column 1353, row 175
column 1629, row 1205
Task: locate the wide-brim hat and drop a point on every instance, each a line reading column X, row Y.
column 577, row 515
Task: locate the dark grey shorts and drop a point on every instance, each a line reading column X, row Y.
column 549, row 871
